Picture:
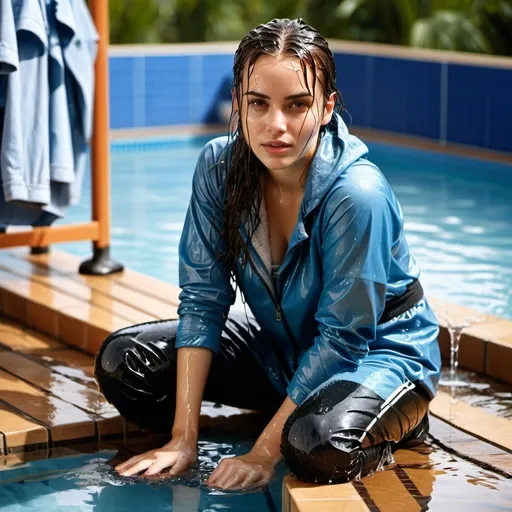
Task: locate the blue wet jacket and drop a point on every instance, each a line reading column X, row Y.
column 347, row 256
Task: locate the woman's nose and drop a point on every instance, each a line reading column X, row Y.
column 277, row 121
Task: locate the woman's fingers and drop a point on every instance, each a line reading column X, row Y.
column 161, row 462
column 182, row 464
column 227, row 473
column 138, row 467
column 253, row 479
column 131, row 461
column 225, row 466
column 235, row 480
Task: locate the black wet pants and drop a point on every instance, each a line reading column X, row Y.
column 341, row 432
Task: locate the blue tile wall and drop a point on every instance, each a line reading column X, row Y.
column 167, row 90
column 216, row 84
column 121, row 92
column 406, row 96
column 392, row 94
column 480, row 106
column 354, row 84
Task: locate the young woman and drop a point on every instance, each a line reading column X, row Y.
column 340, row 345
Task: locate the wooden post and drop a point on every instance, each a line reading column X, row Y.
column 100, row 140
column 100, row 162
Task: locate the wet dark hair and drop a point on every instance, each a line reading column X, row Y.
column 243, row 187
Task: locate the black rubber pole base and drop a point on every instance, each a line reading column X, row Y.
column 40, row 250
column 100, row 264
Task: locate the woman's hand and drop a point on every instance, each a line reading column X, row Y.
column 244, row 472
column 179, row 455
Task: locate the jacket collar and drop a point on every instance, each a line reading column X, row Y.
column 336, row 151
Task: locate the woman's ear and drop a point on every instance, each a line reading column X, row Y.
column 329, row 109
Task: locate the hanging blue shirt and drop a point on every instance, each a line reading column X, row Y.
column 59, row 63
column 24, row 162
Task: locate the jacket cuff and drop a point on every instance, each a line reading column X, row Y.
column 297, row 393
column 192, row 333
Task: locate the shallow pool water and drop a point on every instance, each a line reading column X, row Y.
column 86, row 482
column 89, row 483
column 458, row 215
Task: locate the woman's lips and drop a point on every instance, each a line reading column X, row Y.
column 276, row 150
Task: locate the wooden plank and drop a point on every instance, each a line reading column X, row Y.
column 80, row 324
column 20, row 339
column 41, row 237
column 57, row 385
column 72, row 288
column 163, row 306
column 88, row 398
column 68, row 362
column 20, row 432
column 66, row 421
column 469, row 446
column 149, row 286
column 68, row 357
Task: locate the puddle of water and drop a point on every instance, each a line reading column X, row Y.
column 448, row 483
column 489, row 394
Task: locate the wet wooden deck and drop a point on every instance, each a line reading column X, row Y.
column 53, row 320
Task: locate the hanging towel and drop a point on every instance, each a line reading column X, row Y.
column 67, row 62
column 24, row 160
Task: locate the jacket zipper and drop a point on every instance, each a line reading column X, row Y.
column 280, row 316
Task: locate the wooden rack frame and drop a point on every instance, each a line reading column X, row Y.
column 98, row 230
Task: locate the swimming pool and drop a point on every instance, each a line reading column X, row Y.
column 458, row 215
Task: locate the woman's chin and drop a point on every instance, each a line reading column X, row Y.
column 276, row 164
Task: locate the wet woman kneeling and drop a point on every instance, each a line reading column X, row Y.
column 338, row 343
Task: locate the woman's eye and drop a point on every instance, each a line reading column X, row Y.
column 299, row 104
column 257, row 103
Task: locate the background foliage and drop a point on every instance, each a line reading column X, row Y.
column 483, row 26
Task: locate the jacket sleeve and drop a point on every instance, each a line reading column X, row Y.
column 207, row 293
column 358, row 229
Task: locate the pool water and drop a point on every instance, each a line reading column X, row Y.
column 88, row 482
column 458, row 215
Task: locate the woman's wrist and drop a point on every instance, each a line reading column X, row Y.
column 266, row 455
column 268, row 448
column 185, row 433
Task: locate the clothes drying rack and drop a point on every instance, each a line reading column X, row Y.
column 98, row 229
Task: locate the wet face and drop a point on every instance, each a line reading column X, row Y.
column 280, row 118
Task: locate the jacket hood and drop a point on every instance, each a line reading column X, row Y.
column 337, row 150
